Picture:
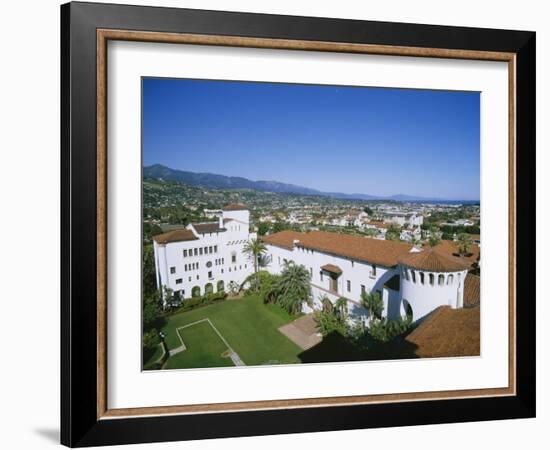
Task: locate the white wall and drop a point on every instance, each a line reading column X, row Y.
column 30, row 199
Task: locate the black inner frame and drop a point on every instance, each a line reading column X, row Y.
column 79, row 424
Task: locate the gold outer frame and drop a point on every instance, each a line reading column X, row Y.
column 104, row 35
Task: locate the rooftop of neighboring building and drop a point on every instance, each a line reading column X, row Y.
column 447, row 332
column 207, row 227
column 235, row 207
column 175, row 236
column 450, row 248
column 471, row 290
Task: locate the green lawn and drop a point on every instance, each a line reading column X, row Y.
column 204, row 348
column 249, row 327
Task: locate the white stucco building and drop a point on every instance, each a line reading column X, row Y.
column 205, row 257
column 409, row 280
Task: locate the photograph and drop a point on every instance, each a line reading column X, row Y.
column 300, row 223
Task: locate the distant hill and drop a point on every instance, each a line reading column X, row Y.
column 215, row 181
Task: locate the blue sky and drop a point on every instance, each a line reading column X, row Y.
column 332, row 138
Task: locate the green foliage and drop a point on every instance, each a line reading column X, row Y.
column 152, row 309
column 149, row 280
column 368, row 210
column 150, row 230
column 150, row 340
column 384, row 330
column 255, row 248
column 393, row 233
column 341, row 307
column 263, row 228
column 434, row 237
column 464, row 243
column 194, row 302
column 291, row 289
column 329, row 322
column 280, row 226
column 372, row 302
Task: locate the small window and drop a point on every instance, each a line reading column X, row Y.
column 321, row 275
column 431, row 277
column 215, row 249
column 450, row 279
column 185, row 253
column 352, row 263
column 179, row 281
column 363, row 290
column 197, row 277
column 413, row 273
column 311, row 271
column 195, row 251
column 200, row 251
column 209, row 249
column 172, row 270
column 441, row 280
column 209, row 275
column 185, row 267
column 234, row 258
column 421, row 277
column 189, row 278
column 349, row 285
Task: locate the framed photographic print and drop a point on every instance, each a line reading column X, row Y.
column 277, row 224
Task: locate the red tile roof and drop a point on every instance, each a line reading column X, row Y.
column 447, row 332
column 175, row 236
column 209, row 227
column 235, row 207
column 433, row 261
column 374, row 251
column 332, row 268
column 471, row 290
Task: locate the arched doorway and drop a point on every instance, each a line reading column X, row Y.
column 208, row 289
column 220, row 286
column 196, row 291
column 408, row 309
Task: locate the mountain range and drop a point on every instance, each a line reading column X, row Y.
column 215, row 181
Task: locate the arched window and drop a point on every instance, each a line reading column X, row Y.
column 220, row 287
column 406, row 273
column 196, row 291
column 441, row 280
column 421, row 277
column 208, row 289
column 431, row 278
column 408, row 308
column 413, row 273
column 450, row 279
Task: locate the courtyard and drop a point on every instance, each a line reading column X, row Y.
column 233, row 332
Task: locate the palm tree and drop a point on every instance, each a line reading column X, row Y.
column 463, row 244
column 341, row 305
column 293, row 288
column 373, row 303
column 255, row 249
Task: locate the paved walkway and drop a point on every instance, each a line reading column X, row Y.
column 303, row 332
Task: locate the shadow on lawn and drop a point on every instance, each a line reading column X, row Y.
column 336, row 348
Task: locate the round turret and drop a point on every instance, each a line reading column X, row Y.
column 430, row 279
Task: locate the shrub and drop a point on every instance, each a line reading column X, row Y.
column 384, row 330
column 329, row 322
column 150, row 340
